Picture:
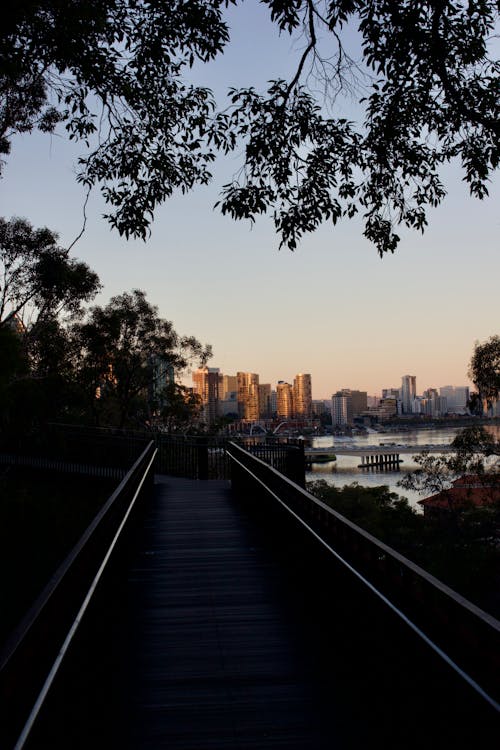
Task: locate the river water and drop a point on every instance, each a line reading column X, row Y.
column 345, row 469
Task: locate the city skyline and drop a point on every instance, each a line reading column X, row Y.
column 333, row 308
column 190, row 378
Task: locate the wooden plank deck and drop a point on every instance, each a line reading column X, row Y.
column 223, row 628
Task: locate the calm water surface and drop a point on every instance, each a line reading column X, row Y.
column 345, row 469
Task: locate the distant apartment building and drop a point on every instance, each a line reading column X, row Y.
column 206, row 381
column 457, row 398
column 319, row 407
column 274, row 403
column 302, row 396
column 284, row 400
column 265, row 401
column 387, row 408
column 228, row 406
column 391, row 393
column 432, row 404
column 359, row 401
column 228, row 385
column 342, row 408
column 248, row 395
column 409, row 393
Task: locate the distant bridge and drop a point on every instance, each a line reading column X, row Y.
column 371, row 455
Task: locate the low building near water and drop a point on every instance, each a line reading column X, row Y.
column 466, row 492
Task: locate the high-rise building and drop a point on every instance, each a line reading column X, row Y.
column 265, row 400
column 434, row 405
column 359, row 400
column 408, row 393
column 347, row 405
column 248, row 395
column 341, row 408
column 302, row 396
column 229, row 385
column 457, row 398
column 284, row 400
column 274, row 403
column 206, row 384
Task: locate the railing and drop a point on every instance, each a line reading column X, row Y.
column 206, row 458
column 75, row 449
column 461, row 633
column 32, row 656
column 193, row 457
column 286, row 457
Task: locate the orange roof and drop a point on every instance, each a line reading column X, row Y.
column 476, row 490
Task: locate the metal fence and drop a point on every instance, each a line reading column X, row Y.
column 74, row 448
column 470, row 635
column 206, row 457
column 108, row 452
column 31, row 657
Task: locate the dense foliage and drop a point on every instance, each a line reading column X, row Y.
column 116, row 74
column 111, row 365
column 38, row 279
column 484, row 370
column 462, row 551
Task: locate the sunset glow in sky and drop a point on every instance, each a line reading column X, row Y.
column 333, row 308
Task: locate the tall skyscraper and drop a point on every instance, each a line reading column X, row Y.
column 302, row 396
column 408, row 392
column 265, row 400
column 229, row 385
column 284, row 398
column 206, row 384
column 248, row 395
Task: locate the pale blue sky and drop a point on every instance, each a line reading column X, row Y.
column 333, row 308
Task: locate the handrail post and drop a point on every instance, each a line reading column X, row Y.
column 203, row 458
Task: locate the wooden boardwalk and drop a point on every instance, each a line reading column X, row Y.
column 223, row 628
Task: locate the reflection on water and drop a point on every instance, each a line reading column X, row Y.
column 345, row 469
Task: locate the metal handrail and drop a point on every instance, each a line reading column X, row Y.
column 65, row 579
column 319, row 520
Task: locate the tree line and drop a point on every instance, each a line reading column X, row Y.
column 62, row 359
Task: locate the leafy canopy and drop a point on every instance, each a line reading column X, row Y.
column 38, row 279
column 484, row 369
column 119, row 350
column 115, row 72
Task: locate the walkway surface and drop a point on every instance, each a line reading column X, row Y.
column 224, row 628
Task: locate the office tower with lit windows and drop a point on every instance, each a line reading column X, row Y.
column 206, row 381
column 248, row 395
column 302, row 396
column 284, row 400
column 408, row 393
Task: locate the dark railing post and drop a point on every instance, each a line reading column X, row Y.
column 203, row 458
column 295, row 465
